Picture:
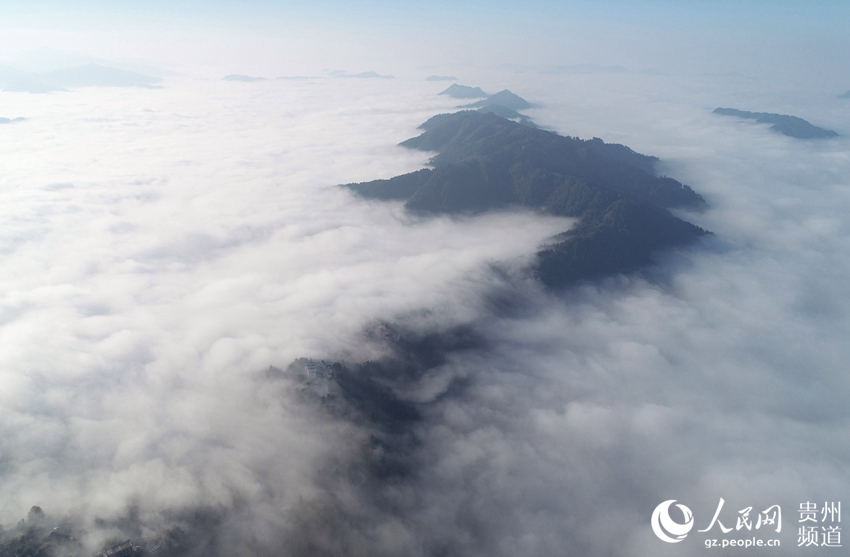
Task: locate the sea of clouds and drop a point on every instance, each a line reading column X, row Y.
column 161, row 248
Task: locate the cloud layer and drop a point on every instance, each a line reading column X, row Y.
column 161, row 248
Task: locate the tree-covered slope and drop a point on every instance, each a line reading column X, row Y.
column 791, row 126
column 485, row 162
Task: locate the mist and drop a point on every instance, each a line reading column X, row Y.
column 151, row 276
column 169, row 252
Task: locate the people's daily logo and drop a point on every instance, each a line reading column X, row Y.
column 666, row 528
column 817, row 525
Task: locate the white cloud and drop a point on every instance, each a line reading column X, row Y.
column 201, row 239
column 197, row 239
column 724, row 377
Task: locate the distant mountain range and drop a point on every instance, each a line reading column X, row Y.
column 361, row 75
column 10, row 120
column 463, row 92
column 243, row 78
column 43, row 60
column 504, row 103
column 337, row 73
column 588, row 69
column 781, row 123
column 486, row 162
column 90, row 75
column 503, row 98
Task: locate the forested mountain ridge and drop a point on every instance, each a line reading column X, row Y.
column 485, row 162
column 792, row 126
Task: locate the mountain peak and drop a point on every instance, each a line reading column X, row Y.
column 503, row 98
column 463, row 92
column 486, row 162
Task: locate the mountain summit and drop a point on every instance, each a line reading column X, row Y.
column 486, row 162
column 463, row 92
column 503, row 98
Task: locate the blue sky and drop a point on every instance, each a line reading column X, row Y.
column 763, row 11
column 741, row 36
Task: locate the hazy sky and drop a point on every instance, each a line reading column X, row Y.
column 800, row 41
